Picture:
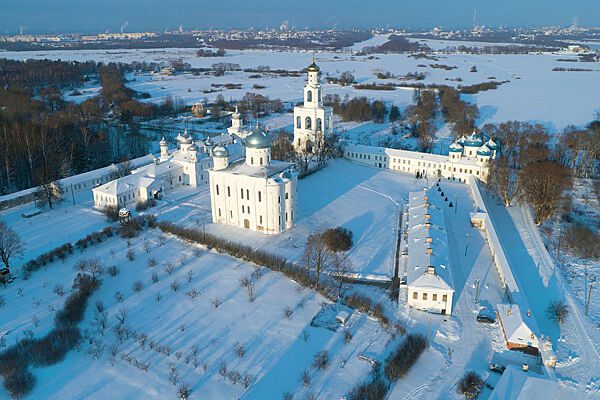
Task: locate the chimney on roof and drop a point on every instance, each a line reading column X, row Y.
column 426, row 205
column 508, row 312
column 529, row 313
column 427, row 217
column 428, row 239
column 431, row 270
column 427, row 225
column 532, row 335
column 429, row 250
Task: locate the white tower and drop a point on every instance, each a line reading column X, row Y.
column 237, row 123
column 164, row 149
column 220, row 158
column 312, row 121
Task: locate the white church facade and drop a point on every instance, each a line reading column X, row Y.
column 186, row 166
column 313, row 122
column 255, row 193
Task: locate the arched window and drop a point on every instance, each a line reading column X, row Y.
column 319, row 124
column 251, row 160
column 308, row 123
column 217, row 189
column 309, row 96
column 261, row 161
column 298, row 122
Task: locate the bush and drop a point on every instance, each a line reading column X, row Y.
column 321, row 360
column 375, row 390
column 338, row 239
column 402, row 359
column 583, row 241
column 111, row 212
column 558, row 311
column 138, row 286
column 113, row 270
column 470, row 385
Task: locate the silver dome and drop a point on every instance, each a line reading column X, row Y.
column 257, row 139
column 220, row 151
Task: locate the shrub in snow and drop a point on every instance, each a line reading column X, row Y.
column 223, row 369
column 169, row 267
column 130, row 255
column 190, row 276
column 154, row 277
column 216, row 302
column 321, row 360
column 375, row 390
column 192, row 294
column 239, row 350
column 338, row 239
column 175, row 285
column 247, row 380
column 113, row 270
column 234, row 376
column 152, row 262
column 138, row 286
column 469, row 385
column 287, row 312
column 119, row 296
column 2, row 301
column 99, row 306
column 305, row 378
column 347, row 336
column 184, row 391
column 59, row 290
column 402, row 359
column 558, row 311
column 183, row 259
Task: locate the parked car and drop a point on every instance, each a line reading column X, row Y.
column 497, row 368
column 486, row 316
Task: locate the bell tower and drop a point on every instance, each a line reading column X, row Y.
column 312, row 121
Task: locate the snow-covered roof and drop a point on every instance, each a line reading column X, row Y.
column 473, row 140
column 518, row 385
column 383, row 151
column 456, row 147
column 518, row 326
column 427, row 265
column 492, row 145
column 272, row 170
column 125, row 184
column 484, row 150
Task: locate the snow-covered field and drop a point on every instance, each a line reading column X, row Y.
column 534, row 92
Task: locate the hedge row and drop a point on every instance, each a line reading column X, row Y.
column 52, row 348
column 327, row 287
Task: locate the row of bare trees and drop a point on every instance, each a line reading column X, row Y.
column 532, row 170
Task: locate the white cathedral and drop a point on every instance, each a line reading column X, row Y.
column 255, row 193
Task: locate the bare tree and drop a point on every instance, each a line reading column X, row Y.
column 11, row 244
column 504, row 180
column 543, row 184
column 316, row 255
column 340, row 266
column 246, row 282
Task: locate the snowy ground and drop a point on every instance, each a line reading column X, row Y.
column 534, row 93
column 362, row 199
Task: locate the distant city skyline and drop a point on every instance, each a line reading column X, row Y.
column 86, row 16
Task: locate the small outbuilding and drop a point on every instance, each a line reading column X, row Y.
column 519, row 329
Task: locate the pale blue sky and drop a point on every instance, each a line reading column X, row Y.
column 109, row 15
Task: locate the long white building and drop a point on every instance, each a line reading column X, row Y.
column 255, row 193
column 428, row 277
column 467, row 156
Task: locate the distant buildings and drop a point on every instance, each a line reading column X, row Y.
column 428, row 277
